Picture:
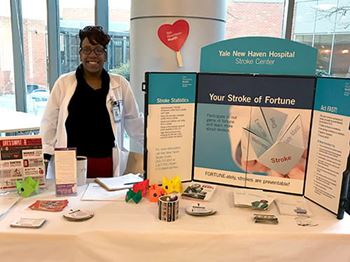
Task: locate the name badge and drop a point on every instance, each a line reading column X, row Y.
column 117, row 110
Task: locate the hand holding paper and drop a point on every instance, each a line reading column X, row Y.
column 270, row 142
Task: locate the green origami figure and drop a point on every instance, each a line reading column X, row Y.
column 136, row 197
column 27, row 187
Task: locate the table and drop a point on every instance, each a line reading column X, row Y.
column 14, row 121
column 122, row 231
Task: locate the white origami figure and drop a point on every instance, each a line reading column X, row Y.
column 271, row 139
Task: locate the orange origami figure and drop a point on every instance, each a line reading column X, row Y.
column 155, row 192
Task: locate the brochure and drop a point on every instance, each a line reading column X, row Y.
column 293, row 207
column 65, row 171
column 198, row 191
column 94, row 192
column 255, row 199
column 49, row 205
column 119, row 182
column 21, row 157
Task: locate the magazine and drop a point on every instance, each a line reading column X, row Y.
column 198, row 191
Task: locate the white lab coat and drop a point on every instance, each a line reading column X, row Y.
column 53, row 129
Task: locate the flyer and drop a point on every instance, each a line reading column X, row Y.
column 20, row 157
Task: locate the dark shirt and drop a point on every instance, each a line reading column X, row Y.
column 88, row 124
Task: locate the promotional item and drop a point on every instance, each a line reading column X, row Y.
column 168, row 208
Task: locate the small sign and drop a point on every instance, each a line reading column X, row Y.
column 174, row 36
column 65, row 171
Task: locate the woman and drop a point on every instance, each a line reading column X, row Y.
column 88, row 109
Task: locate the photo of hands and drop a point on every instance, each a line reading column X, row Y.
column 270, row 141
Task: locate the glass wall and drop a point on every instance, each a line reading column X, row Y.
column 7, row 86
column 119, row 26
column 254, row 18
column 325, row 25
column 74, row 15
column 35, row 54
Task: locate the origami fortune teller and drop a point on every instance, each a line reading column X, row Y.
column 142, row 186
column 155, row 192
column 135, row 196
column 27, row 187
column 172, row 185
column 273, row 141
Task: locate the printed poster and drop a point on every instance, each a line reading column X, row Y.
column 170, row 125
column 253, row 131
column 20, row 157
column 330, row 142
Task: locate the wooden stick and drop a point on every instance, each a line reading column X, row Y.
column 179, row 59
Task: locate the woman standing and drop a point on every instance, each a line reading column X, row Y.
column 89, row 109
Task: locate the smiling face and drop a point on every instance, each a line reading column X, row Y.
column 92, row 57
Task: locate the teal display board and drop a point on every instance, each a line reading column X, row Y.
column 170, row 109
column 261, row 55
column 252, row 131
column 330, row 143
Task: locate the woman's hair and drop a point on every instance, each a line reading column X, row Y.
column 95, row 34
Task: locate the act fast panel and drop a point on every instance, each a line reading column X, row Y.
column 253, row 131
column 329, row 143
column 170, row 125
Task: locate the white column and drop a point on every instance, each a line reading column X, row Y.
column 206, row 20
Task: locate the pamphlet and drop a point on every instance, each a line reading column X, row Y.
column 94, row 192
column 198, row 191
column 49, row 205
column 21, row 157
column 293, row 207
column 119, row 182
column 256, row 199
column 65, row 171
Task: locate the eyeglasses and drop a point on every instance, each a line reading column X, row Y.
column 87, row 50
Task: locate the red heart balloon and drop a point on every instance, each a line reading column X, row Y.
column 175, row 35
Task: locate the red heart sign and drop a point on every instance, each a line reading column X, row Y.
column 175, row 35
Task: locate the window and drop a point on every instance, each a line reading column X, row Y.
column 325, row 25
column 254, row 18
column 74, row 15
column 7, row 86
column 119, row 27
column 35, row 55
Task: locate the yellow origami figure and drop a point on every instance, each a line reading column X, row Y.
column 173, row 185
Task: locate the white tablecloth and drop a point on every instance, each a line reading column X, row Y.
column 122, row 231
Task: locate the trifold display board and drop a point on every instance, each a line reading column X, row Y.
column 257, row 131
column 278, row 128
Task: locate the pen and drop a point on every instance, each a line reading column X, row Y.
column 74, row 211
column 130, row 183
